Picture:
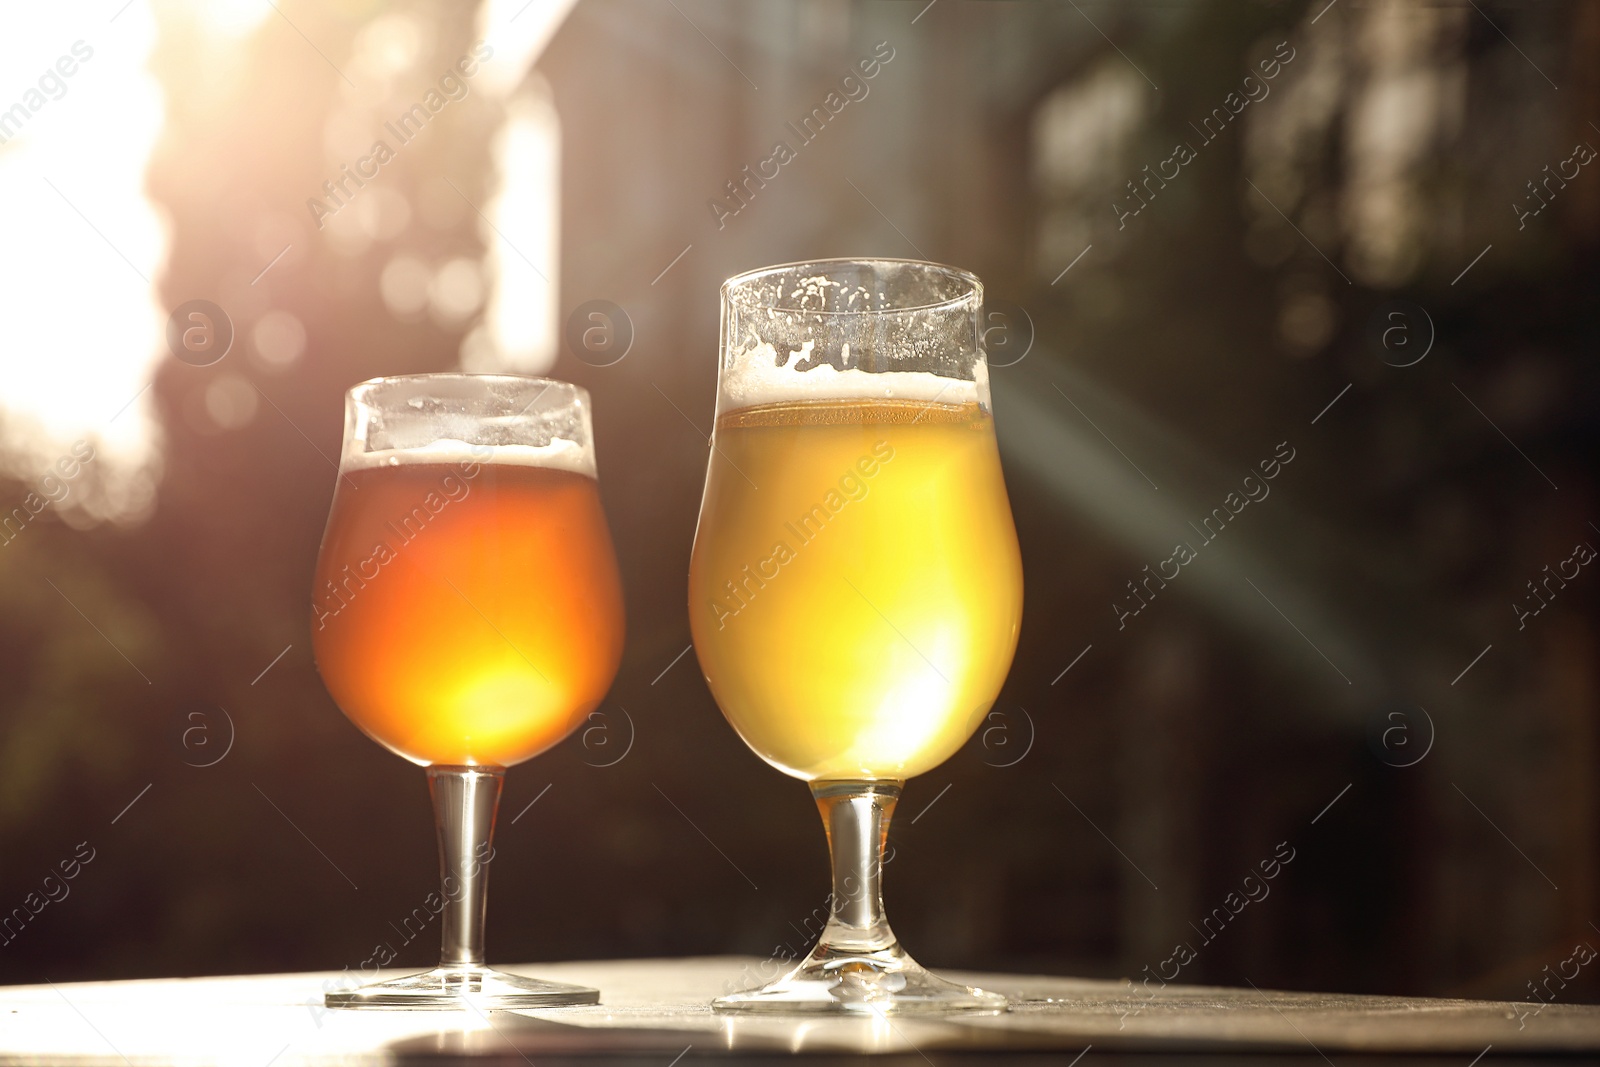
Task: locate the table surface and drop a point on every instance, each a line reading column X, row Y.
column 655, row 1010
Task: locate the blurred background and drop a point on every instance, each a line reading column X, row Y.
column 1374, row 252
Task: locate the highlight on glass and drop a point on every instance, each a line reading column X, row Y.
column 467, row 615
column 855, row 590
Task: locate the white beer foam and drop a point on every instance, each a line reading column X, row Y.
column 755, row 379
column 559, row 454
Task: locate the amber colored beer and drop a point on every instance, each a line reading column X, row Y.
column 856, row 589
column 467, row 613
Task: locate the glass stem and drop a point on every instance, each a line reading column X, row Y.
column 856, row 815
column 464, row 803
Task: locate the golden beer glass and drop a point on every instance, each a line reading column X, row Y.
column 467, row 615
column 855, row 590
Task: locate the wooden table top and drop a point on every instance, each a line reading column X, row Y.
column 655, row 1010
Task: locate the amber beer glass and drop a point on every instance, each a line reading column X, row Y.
column 855, row 589
column 467, row 615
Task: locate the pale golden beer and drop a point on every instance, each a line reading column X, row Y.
column 855, row 589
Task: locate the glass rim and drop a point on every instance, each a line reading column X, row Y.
column 361, row 391
column 973, row 293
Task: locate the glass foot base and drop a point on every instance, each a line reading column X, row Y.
column 887, row 982
column 463, row 987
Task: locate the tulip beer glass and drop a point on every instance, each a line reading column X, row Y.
column 467, row 615
column 855, row 589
